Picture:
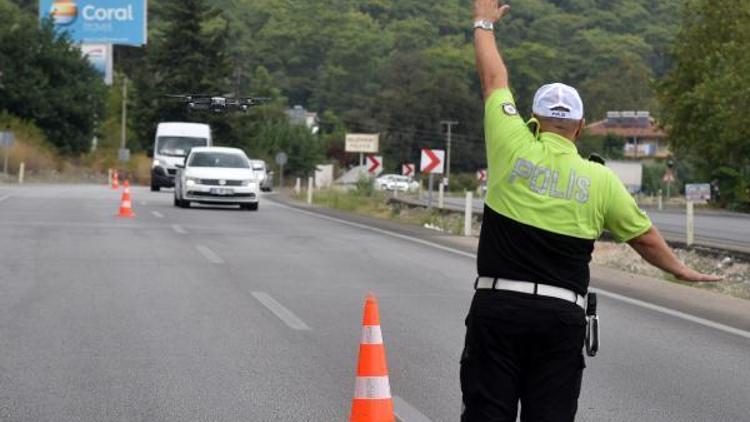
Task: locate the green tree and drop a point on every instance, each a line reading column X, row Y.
column 188, row 54
column 706, row 96
column 44, row 78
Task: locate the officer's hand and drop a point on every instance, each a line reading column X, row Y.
column 491, row 10
column 695, row 276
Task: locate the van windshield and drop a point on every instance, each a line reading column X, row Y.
column 178, row 146
column 217, row 159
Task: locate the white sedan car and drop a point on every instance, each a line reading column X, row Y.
column 264, row 177
column 214, row 175
column 392, row 182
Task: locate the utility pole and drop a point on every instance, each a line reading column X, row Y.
column 123, row 129
column 450, row 124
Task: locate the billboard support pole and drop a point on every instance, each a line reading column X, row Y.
column 690, row 224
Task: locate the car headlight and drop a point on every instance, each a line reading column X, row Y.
column 156, row 163
column 191, row 181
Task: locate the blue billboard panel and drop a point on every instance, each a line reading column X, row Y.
column 99, row 21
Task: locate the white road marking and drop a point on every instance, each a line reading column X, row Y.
column 671, row 312
column 406, row 412
column 657, row 308
column 157, row 214
column 178, row 228
column 382, row 231
column 144, row 203
column 3, row 198
column 280, row 311
column 209, row 254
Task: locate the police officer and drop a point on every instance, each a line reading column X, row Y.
column 545, row 207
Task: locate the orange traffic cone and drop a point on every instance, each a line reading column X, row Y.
column 115, row 181
column 126, row 205
column 372, row 392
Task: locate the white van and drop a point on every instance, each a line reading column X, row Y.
column 172, row 144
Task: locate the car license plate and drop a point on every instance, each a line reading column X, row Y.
column 222, row 191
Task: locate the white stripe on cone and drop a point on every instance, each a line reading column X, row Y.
column 127, row 204
column 371, row 334
column 372, row 388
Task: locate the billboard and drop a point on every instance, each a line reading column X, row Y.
column 99, row 21
column 698, row 193
column 100, row 57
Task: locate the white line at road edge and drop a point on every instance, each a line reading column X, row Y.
column 178, row 228
column 406, row 412
column 209, row 254
column 385, row 232
column 280, row 311
column 678, row 314
column 651, row 306
column 157, row 214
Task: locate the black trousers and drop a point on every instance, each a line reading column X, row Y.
column 522, row 348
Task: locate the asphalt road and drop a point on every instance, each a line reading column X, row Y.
column 224, row 315
column 715, row 229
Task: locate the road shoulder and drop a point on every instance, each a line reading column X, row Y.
column 714, row 307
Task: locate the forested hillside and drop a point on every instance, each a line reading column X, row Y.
column 397, row 67
column 400, row 66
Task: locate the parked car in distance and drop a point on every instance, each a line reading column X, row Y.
column 264, row 177
column 216, row 175
column 396, row 182
column 172, row 144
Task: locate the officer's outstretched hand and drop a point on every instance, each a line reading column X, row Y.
column 491, row 10
column 694, row 276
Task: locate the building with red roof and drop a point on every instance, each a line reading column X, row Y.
column 644, row 138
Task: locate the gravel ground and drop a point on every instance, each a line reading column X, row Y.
column 736, row 272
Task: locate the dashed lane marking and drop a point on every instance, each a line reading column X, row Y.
column 4, row 197
column 210, row 255
column 157, row 214
column 178, row 228
column 406, row 412
column 280, row 311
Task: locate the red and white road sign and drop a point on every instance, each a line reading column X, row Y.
column 374, row 164
column 409, row 170
column 482, row 175
column 433, row 161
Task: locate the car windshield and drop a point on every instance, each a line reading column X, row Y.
column 218, row 159
column 178, row 146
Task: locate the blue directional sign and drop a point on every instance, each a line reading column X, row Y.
column 99, row 21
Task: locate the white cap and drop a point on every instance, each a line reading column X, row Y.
column 559, row 101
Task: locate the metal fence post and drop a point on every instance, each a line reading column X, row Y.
column 310, row 191
column 441, row 195
column 468, row 214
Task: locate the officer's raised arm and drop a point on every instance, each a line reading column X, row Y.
column 492, row 71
